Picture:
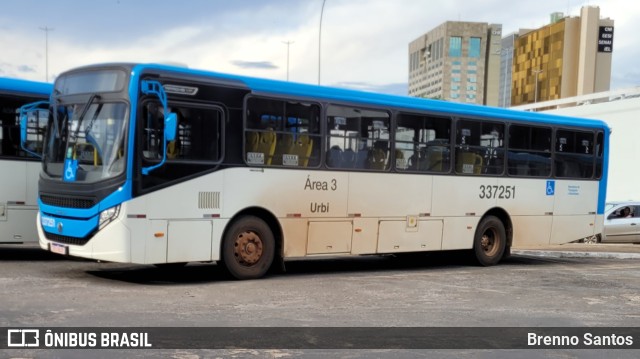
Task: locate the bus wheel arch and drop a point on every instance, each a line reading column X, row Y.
column 493, row 237
column 251, row 242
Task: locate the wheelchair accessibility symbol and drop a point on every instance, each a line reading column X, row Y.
column 70, row 169
column 551, row 188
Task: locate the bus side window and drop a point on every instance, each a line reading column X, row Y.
column 281, row 133
column 529, row 153
column 152, row 116
column 357, row 138
column 480, row 147
column 422, row 143
column 574, row 157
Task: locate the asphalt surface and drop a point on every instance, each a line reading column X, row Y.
column 571, row 285
column 582, row 250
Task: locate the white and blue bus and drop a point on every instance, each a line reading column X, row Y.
column 20, row 167
column 153, row 164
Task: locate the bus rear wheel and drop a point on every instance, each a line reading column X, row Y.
column 248, row 248
column 490, row 241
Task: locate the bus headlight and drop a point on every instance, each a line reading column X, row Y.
column 108, row 215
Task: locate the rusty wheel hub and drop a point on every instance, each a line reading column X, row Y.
column 488, row 242
column 248, row 248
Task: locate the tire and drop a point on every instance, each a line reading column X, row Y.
column 248, row 248
column 592, row 239
column 490, row 241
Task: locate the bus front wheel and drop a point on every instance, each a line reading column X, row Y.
column 248, row 248
column 490, row 241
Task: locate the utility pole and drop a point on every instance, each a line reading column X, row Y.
column 287, row 43
column 320, row 39
column 46, row 51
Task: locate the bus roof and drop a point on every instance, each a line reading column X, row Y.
column 12, row 85
column 406, row 103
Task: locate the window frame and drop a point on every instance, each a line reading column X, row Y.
column 530, row 150
column 557, row 155
column 284, row 100
column 475, row 148
column 455, row 46
column 448, row 145
column 327, row 138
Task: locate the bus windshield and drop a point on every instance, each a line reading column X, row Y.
column 91, row 133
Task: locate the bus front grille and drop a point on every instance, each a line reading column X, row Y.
column 66, row 239
column 68, row 202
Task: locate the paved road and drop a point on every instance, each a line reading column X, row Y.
column 44, row 290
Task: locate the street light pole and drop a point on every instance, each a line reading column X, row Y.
column 46, row 51
column 320, row 39
column 504, row 80
column 287, row 43
column 535, row 95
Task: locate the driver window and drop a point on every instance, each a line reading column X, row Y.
column 624, row 212
column 153, row 119
column 196, row 148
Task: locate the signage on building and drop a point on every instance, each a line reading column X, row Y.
column 605, row 39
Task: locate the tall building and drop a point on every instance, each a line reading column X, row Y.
column 457, row 61
column 506, row 62
column 569, row 57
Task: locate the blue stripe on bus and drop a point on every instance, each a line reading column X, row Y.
column 376, row 99
column 602, row 191
column 57, row 211
column 25, row 87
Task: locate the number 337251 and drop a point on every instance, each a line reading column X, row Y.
column 500, row 192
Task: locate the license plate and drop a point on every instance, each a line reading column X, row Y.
column 59, row 248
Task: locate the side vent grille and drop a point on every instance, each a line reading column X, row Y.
column 210, row 200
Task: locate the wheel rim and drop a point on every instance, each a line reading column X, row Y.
column 247, row 248
column 591, row 240
column 490, row 242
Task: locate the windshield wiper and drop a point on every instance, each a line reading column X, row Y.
column 93, row 97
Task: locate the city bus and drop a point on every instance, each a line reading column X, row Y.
column 20, row 167
column 163, row 165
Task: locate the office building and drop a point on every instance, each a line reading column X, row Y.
column 506, row 63
column 457, row 61
column 569, row 57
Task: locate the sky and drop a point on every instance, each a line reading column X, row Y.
column 363, row 43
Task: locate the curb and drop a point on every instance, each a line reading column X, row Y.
column 570, row 254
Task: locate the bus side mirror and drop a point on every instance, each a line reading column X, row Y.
column 170, row 126
column 25, row 110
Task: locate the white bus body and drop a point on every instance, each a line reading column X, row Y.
column 19, row 172
column 227, row 174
